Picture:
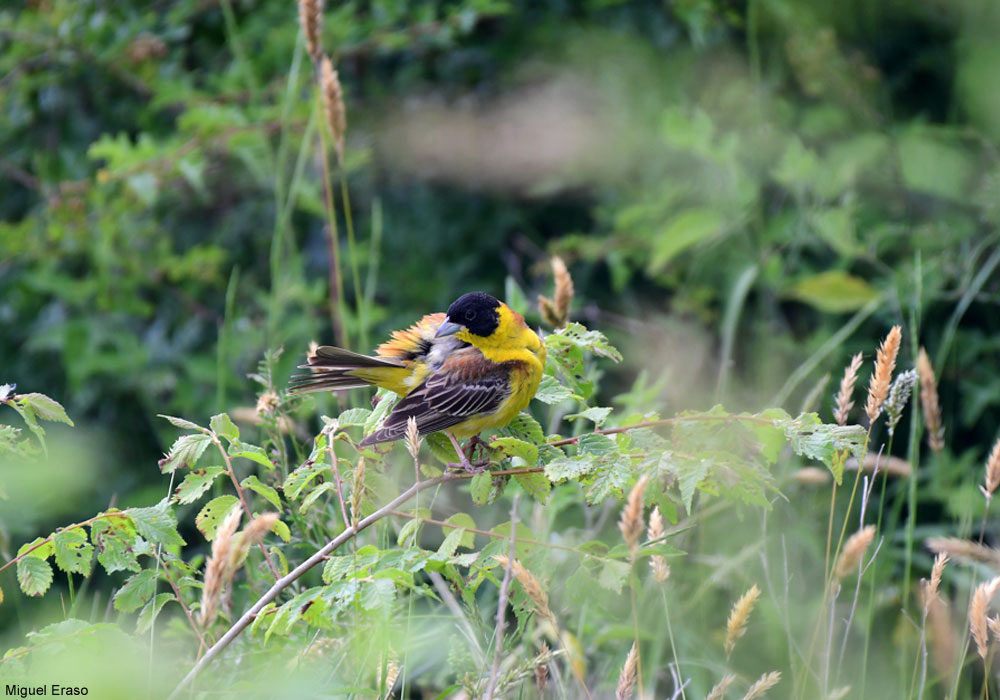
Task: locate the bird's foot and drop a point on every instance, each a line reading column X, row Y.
column 477, row 467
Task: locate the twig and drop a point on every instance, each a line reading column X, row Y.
column 301, row 569
column 336, row 476
column 502, row 603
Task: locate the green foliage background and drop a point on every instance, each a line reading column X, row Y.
column 746, row 193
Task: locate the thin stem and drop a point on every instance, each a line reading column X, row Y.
column 337, row 480
column 336, row 293
column 502, row 602
column 673, row 644
column 352, row 252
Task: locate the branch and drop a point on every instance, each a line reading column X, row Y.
column 302, row 568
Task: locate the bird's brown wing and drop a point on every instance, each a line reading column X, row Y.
column 467, row 384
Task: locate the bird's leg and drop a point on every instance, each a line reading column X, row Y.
column 464, row 463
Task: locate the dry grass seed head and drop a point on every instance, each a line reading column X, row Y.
column 657, row 562
column 530, row 584
column 932, row 587
column 812, row 476
column 942, row 638
column 929, row 402
column 542, row 666
column 892, row 466
column 412, row 440
column 965, row 550
column 631, row 524
column 218, row 565
column 311, row 19
column 854, row 549
column 899, row 395
column 564, row 288
column 333, row 105
column 762, row 685
column 267, row 403
column 844, row 400
column 736, row 625
column 978, row 612
column 626, row 679
column 881, row 379
column 718, row 691
column 252, row 534
column 992, row 479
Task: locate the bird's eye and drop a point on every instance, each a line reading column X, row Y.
column 470, row 315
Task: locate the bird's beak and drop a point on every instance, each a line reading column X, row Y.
column 447, row 328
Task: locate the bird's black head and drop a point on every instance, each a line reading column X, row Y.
column 477, row 311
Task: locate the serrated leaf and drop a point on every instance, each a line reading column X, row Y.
column 257, row 486
column 152, row 610
column 563, row 468
column 213, row 513
column 310, row 499
column 74, row 552
column 185, row 452
column 34, row 574
column 386, row 401
column 45, row 407
column 551, row 391
column 441, row 447
column 689, row 475
column 113, row 538
column 598, row 414
column 536, row 484
column 479, row 488
column 596, row 444
column 450, row 544
column 156, row 523
column 463, row 520
column 135, row 591
column 42, row 551
column 613, row 575
column 515, row 447
column 524, row 427
column 251, row 452
column 196, row 483
column 354, row 416
column 378, row 594
column 181, row 423
column 610, row 480
column 300, row 478
column 222, row 424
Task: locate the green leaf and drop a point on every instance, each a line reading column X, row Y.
column 610, row 480
column 156, row 523
column 113, row 538
column 597, row 444
column 354, row 416
column 386, row 401
column 281, row 530
column 213, row 513
column 268, row 492
column 74, row 552
column 515, row 447
column 552, row 391
column 689, row 475
column 196, row 483
column 251, row 452
column 300, row 478
column 221, row 424
column 149, row 613
column 613, row 575
column 310, row 499
column 479, row 488
column 185, row 452
column 596, row 414
column 536, row 484
column 441, row 447
column 451, row 542
column 463, row 520
column 135, row 591
column 834, row 291
column 181, row 423
column 563, row 468
column 263, row 617
column 45, row 408
column 525, row 428
column 34, row 574
column 378, row 594
column 686, row 229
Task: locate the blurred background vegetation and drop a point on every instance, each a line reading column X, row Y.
column 747, row 192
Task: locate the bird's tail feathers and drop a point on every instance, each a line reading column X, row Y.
column 334, row 369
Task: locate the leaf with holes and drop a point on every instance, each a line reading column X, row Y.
column 185, row 452
column 135, row 591
column 113, row 537
column 74, row 552
column 156, row 523
column 212, row 515
column 196, row 483
column 300, row 478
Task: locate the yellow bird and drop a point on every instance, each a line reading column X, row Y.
column 473, row 368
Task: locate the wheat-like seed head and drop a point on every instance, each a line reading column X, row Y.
column 929, row 402
column 932, row 586
column 657, row 562
column 718, row 691
column 564, row 289
column 266, row 402
column 893, row 466
column 547, row 308
column 899, row 395
column 978, row 612
column 762, row 685
column 992, row 479
column 854, row 549
column 736, row 625
column 252, row 534
column 333, row 105
column 885, row 363
column 626, row 679
column 965, row 550
column 631, row 524
column 217, row 567
column 530, row 584
column 844, row 399
column 413, row 440
column 311, row 19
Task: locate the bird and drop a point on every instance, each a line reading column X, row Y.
column 472, row 368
